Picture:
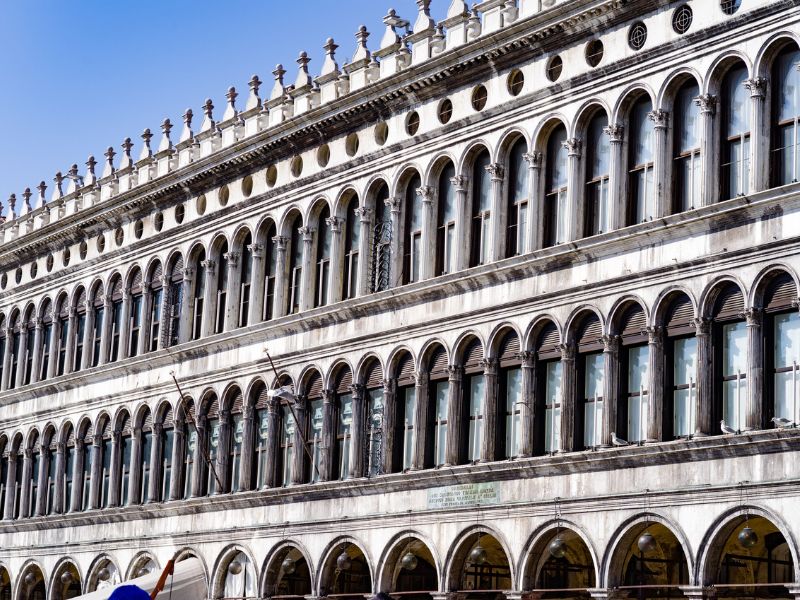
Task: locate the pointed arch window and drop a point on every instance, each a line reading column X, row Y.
column 156, row 300
column 98, row 314
column 79, row 331
column 117, row 300
column 135, row 314
column 30, row 341
column 556, row 178
column 786, row 108
column 517, row 200
column 198, row 293
column 295, row 266
column 481, row 210
column 221, row 289
column 47, row 340
column 174, row 305
column 270, row 271
column 412, row 238
column 735, row 133
column 598, row 167
column 352, row 238
column 686, row 138
column 245, row 280
column 641, row 179
column 446, row 222
column 62, row 333
column 324, row 239
column 381, row 242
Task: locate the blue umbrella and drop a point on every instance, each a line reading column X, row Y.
column 129, row 592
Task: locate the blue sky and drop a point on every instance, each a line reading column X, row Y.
column 79, row 76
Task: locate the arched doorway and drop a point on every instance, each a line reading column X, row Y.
column 288, row 575
column 103, row 574
column 560, row 566
column 346, row 573
column 649, row 562
column 66, row 583
column 750, row 558
column 410, row 570
column 5, row 585
column 480, row 567
column 32, row 586
column 236, row 578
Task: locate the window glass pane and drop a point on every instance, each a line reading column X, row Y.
column 557, row 158
column 375, row 403
column 637, row 369
column 734, row 367
column 237, row 432
column 287, row 440
column 213, row 449
column 787, row 356
column 410, row 401
column 599, row 147
column 637, row 393
column 191, row 448
column 642, row 132
column 553, row 407
column 482, row 199
column 688, row 118
column 738, row 98
column 593, row 380
column 447, row 194
column 442, row 393
column 344, row 434
column 166, row 462
column 416, row 205
column 593, row 392
column 518, row 178
column 788, row 105
column 513, row 409
column 477, row 391
column 317, row 420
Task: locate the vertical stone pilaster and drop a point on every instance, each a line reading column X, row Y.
column 234, row 291
column 759, row 135
column 40, row 506
column 335, row 283
column 754, row 411
column 137, row 462
column 491, row 410
column 11, row 484
column 70, row 349
column 709, row 192
column 616, row 177
column 611, row 375
column 655, row 384
column 209, row 297
column 108, row 318
column 116, row 468
column 125, row 327
column 705, row 382
column 497, row 243
column 175, row 491
column 573, row 217
column 245, row 475
column 307, row 285
column 96, row 481
column 455, row 415
column 461, row 251
column 660, row 208
column 199, row 461
column 25, row 486
column 281, row 276
column 23, row 346
column 7, row 358
column 75, row 500
column 273, row 437
column 365, row 235
column 396, row 248
column 328, row 435
column 528, row 409
column 389, row 423
column 535, row 233
column 60, row 491
column 156, row 466
column 357, row 430
column 257, row 282
column 420, row 420
column 428, row 258
column 568, row 399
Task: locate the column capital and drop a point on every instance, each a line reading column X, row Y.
column 388, row 386
column 393, row 203
column 490, row 366
column 573, row 147
column 460, row 182
column 209, row 265
column 611, row 343
column 455, row 372
column 280, row 242
column 232, row 258
column 426, row 193
column 702, row 325
column 567, row 352
column 534, row 159
column 526, row 357
column 421, row 377
column 363, row 213
column 660, row 118
column 496, row 171
column 158, row 428
column 38, row 323
column 188, row 274
column 757, row 86
column 307, row 233
column 615, row 133
column 335, row 223
column 27, row 454
column 753, row 316
column 97, row 439
column 707, row 103
column 357, row 391
column 61, row 447
column 655, row 334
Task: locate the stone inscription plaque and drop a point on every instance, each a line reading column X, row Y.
column 468, row 494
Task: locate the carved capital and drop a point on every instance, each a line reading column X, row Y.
column 280, row 242
column 188, row 273
column 257, row 250
column 426, row 193
column 660, row 118
column 534, row 159
column 27, row 454
column 757, row 86
column 209, row 265
column 496, row 171
column 573, row 146
column 61, row 447
column 655, row 335
column 707, row 104
column 393, row 203
column 702, row 325
column 567, row 352
column 388, row 386
column 753, row 316
column 490, row 366
column 455, row 372
column 232, row 258
column 357, row 390
column 610, row 343
column 158, row 429
column 421, row 377
column 363, row 213
column 615, row 133
column 335, row 223
column 307, row 233
column 526, row 358
column 459, row 183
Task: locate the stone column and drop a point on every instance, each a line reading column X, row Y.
column 234, row 291
column 573, row 215
column 396, row 260
column 175, row 491
column 568, row 400
column 428, row 257
column 257, row 284
column 200, row 466
column 655, row 384
column 335, row 279
column 389, row 423
column 108, row 318
column 96, row 481
column 76, row 499
column 23, row 344
column 11, row 484
column 497, row 243
column 224, row 465
column 328, row 435
column 145, row 325
column 528, row 408
column 273, row 446
column 709, row 193
column 365, row 257
column 40, row 508
column 185, row 319
column 156, row 466
column 357, row 431
column 281, row 276
column 705, row 374
column 535, row 233
column 461, row 235
column 611, row 375
column 25, row 486
column 115, row 477
column 754, row 411
column 209, row 297
column 125, row 327
column 616, row 178
column 307, row 285
column 759, row 136
column 137, row 462
column 455, row 416
column 298, row 470
column 70, row 349
column 248, row 449
column 7, row 358
column 52, row 357
column 491, row 409
column 420, row 420
column 88, row 337
column 660, row 208
column 60, row 490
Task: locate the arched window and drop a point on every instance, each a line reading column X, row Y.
column 344, row 426
column 287, row 435
column 412, row 237
column 105, row 449
column 591, row 381
column 235, row 441
column 510, row 379
column 198, row 293
column 79, row 331
column 166, row 445
column 352, row 237
column 174, row 305
column 145, row 457
column 295, row 265
column 62, row 333
column 481, row 210
column 270, row 270
column 686, row 141
column 438, row 397
column 641, row 182
column 189, row 449
column 786, row 108
column 155, row 301
column 517, row 200
column 83, row 501
column 221, row 288
column 634, row 359
column 314, row 425
column 17, row 464
column 30, row 341
column 16, row 336
column 135, row 314
column 598, row 166
column 33, row 481
column 376, row 432
column 125, row 463
column 446, row 222
column 117, row 301
column 382, row 242
column 210, row 442
column 729, row 342
column 474, row 399
column 735, row 133
column 260, row 476
column 680, row 418
column 47, row 340
column 782, row 329
column 556, row 178
column 48, row 503
column 245, row 280
column 70, row 459
column 97, row 320
column 324, row 239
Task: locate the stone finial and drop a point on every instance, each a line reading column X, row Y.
column 26, row 202
column 474, row 26
column 187, row 133
column 166, row 142
column 424, row 21
column 12, row 207
column 147, row 152
column 208, row 119
column 108, row 169
column 438, row 41
column 330, row 67
column 391, row 38
column 510, row 11
column 90, row 178
column 75, row 180
column 458, row 8
column 278, row 90
column 58, row 193
column 343, row 83
column 230, row 107
column 303, row 78
column 253, row 100
column 126, row 161
column 362, row 54
column 40, row 199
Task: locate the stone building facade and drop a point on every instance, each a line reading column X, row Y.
column 506, row 305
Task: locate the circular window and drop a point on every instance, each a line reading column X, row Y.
column 3, row 281
column 297, row 166
column 119, row 236
column 201, row 205
column 554, row 68
column 84, row 247
column 272, row 175
column 50, row 262
column 682, row 19
column 594, row 53
column 516, row 81
column 412, row 123
column 351, row 144
column 637, row 36
column 247, row 186
column 101, row 245
column 158, row 221
column 730, row 6
column 18, row 275
column 224, row 195
column 323, row 155
column 138, row 229
column 65, row 257
column 381, row 133
column 180, row 212
column 479, row 97
column 34, row 270
column 445, row 111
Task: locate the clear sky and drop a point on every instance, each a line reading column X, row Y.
column 78, row 76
